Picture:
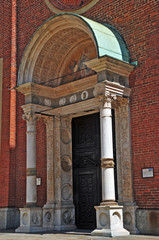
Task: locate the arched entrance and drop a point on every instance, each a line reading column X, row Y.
column 74, row 67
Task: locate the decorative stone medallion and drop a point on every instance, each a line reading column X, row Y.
column 77, row 6
column 66, row 163
column 103, row 219
column 25, row 219
column 73, row 98
column 36, row 219
column 127, row 218
column 47, row 102
column 84, row 95
column 65, row 136
column 47, row 217
column 67, row 217
column 62, row 101
column 66, row 192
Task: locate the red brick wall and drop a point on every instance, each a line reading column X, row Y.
column 137, row 23
column 5, row 37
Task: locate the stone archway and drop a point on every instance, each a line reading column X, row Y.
column 68, row 70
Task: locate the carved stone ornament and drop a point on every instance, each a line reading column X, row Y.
column 30, row 116
column 47, row 102
column 107, row 163
column 73, row 98
column 84, row 95
column 66, row 192
column 103, row 219
column 62, row 101
column 68, row 217
column 47, row 217
column 25, row 219
column 66, row 163
column 36, row 219
column 65, row 136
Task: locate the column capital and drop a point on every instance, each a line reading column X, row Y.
column 48, row 120
column 30, row 116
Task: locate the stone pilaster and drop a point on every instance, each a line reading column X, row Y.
column 124, row 164
column 57, row 172
column 48, row 209
column 67, row 210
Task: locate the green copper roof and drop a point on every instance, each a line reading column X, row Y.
column 109, row 41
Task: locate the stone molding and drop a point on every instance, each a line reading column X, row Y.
column 107, row 163
column 110, row 64
column 31, row 172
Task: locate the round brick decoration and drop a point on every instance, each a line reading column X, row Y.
column 78, row 6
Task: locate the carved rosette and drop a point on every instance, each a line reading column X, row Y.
column 107, row 163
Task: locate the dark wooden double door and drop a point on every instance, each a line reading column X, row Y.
column 86, row 169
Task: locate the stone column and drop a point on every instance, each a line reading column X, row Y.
column 109, row 215
column 31, row 188
column 107, row 161
column 31, row 215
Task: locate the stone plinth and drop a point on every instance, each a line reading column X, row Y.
column 30, row 220
column 109, row 221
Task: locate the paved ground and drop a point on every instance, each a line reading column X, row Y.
column 10, row 235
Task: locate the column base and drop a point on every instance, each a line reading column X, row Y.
column 109, row 221
column 129, row 218
column 30, row 220
column 64, row 217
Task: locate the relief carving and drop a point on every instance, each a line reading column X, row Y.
column 68, row 217
column 36, row 219
column 65, row 136
column 123, row 150
column 66, row 192
column 66, row 163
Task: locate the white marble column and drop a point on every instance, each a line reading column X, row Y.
column 107, row 161
column 31, row 188
column 109, row 215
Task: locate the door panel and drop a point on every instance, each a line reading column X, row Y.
column 86, row 169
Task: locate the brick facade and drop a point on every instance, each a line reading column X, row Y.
column 137, row 22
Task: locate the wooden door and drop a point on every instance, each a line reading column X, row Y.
column 86, row 169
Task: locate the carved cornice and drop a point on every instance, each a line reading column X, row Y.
column 60, row 91
column 110, row 64
column 110, row 93
column 105, row 87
